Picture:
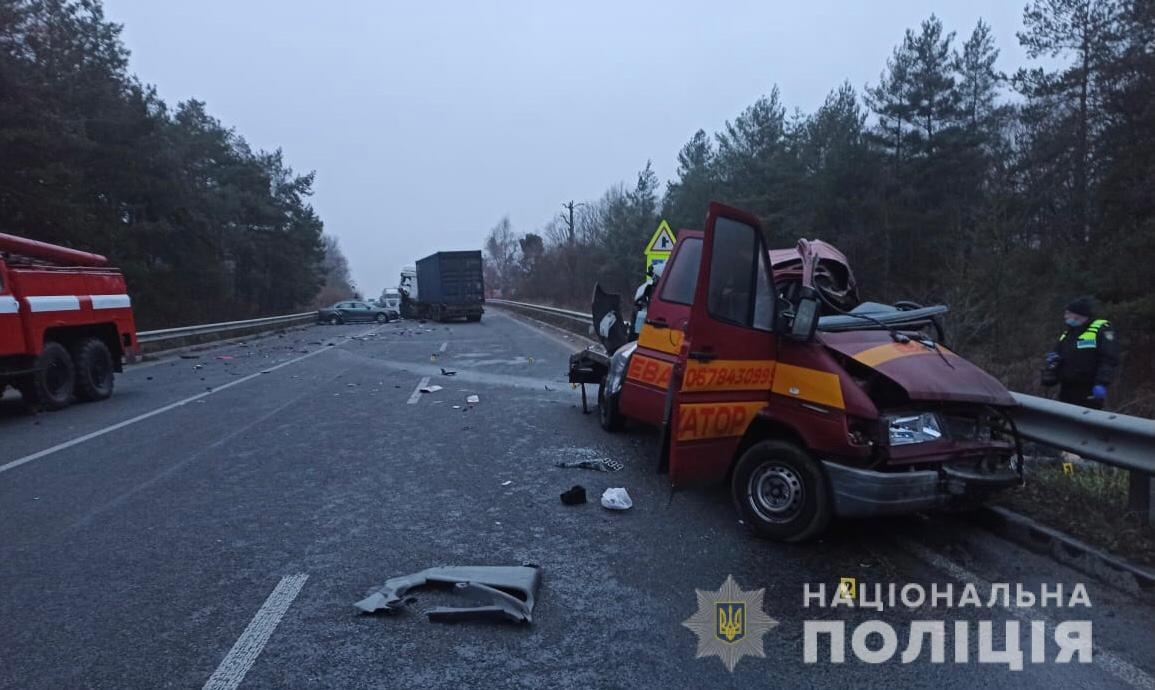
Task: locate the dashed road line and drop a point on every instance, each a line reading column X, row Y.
column 160, row 410
column 248, row 646
column 417, row 391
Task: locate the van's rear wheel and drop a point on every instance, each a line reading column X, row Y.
column 781, row 492
column 608, row 415
column 52, row 386
column 94, row 369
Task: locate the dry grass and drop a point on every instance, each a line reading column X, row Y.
column 1087, row 501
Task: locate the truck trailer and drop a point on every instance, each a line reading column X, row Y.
column 445, row 285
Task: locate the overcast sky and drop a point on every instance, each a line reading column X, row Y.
column 426, row 122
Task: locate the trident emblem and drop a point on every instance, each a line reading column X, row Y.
column 731, row 621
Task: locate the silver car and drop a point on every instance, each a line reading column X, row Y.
column 353, row 311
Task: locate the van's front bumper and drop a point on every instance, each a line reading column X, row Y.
column 863, row 493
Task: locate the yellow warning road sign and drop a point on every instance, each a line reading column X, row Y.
column 659, row 247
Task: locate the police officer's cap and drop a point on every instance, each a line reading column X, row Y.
column 1083, row 306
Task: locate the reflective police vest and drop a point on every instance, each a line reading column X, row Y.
column 1088, row 339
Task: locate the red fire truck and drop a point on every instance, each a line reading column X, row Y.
column 66, row 323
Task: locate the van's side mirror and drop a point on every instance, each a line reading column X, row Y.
column 805, row 322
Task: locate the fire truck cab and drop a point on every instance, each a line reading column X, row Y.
column 66, row 323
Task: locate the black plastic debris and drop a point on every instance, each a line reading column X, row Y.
column 575, row 495
column 448, row 372
column 504, row 592
column 600, row 464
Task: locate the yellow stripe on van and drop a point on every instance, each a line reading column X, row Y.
column 728, row 375
column 811, row 385
column 668, row 340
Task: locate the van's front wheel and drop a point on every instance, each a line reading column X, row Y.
column 781, row 492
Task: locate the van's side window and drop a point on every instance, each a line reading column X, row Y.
column 740, row 288
column 732, row 269
column 682, row 279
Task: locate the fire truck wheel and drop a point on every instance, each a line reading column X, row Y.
column 94, row 369
column 781, row 492
column 52, row 386
column 608, row 415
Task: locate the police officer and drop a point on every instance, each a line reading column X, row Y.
column 1084, row 360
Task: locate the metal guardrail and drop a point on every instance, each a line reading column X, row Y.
column 583, row 318
column 1111, row 438
column 157, row 340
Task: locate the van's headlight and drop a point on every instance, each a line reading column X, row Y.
column 914, row 428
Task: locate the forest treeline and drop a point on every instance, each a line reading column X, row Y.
column 204, row 227
column 945, row 180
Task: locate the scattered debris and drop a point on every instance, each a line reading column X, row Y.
column 599, row 464
column 448, row 372
column 224, row 358
column 617, row 499
column 351, row 385
column 548, row 388
column 198, row 367
column 507, row 482
column 457, row 407
column 505, row 591
column 429, row 389
column 473, row 400
column 267, row 371
column 189, row 355
column 575, row 495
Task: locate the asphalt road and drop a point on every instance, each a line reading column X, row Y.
column 208, row 502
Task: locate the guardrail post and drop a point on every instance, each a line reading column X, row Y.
column 1141, row 496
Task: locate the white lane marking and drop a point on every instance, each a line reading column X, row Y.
column 160, row 410
column 417, row 391
column 249, row 645
column 110, row 301
column 443, row 346
column 53, row 303
column 9, row 305
column 1115, row 665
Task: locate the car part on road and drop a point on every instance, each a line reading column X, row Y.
column 429, row 389
column 575, row 495
column 617, row 499
column 472, row 399
column 506, row 592
column 447, row 372
column 600, row 464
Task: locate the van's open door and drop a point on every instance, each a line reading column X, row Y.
column 726, row 363
column 645, row 388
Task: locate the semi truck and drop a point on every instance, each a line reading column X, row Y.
column 66, row 323
column 764, row 370
column 443, row 286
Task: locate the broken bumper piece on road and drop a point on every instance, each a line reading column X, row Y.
column 506, row 592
